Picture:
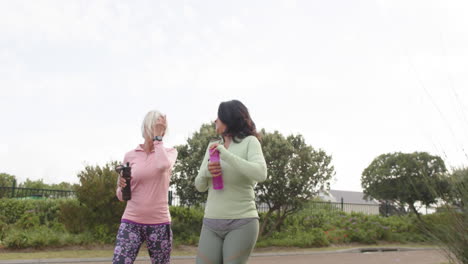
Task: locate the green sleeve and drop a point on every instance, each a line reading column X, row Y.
column 254, row 167
column 201, row 181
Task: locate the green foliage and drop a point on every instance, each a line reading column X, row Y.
column 4, row 227
column 34, row 223
column 96, row 211
column 6, row 180
column 313, row 238
column 39, row 184
column 13, row 209
column 105, row 233
column 313, row 226
column 316, row 227
column 296, row 173
column 28, row 221
column 449, row 228
column 459, row 188
column 406, row 178
column 45, row 210
column 186, row 224
column 188, row 163
column 41, row 237
column 30, row 229
column 74, row 216
column 96, row 192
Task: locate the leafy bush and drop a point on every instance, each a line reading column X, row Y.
column 315, row 237
column 338, row 227
column 42, row 236
column 74, row 216
column 102, row 210
column 14, row 210
column 4, row 227
column 450, row 230
column 186, row 224
column 39, row 223
column 449, row 227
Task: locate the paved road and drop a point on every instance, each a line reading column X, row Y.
column 410, row 257
column 394, row 257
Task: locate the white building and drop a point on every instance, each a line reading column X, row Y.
column 350, row 201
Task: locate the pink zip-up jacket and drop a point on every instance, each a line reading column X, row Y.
column 151, row 175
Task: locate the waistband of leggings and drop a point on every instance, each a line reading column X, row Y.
column 135, row 223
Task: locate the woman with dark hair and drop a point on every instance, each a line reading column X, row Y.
column 230, row 225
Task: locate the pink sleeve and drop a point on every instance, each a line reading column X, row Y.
column 166, row 156
column 172, row 156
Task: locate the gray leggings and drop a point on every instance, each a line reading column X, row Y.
column 227, row 247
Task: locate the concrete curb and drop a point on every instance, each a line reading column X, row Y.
column 107, row 260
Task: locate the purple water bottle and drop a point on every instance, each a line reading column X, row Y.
column 218, row 180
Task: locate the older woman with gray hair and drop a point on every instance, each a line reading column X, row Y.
column 146, row 216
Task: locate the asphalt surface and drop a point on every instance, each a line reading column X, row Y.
column 347, row 256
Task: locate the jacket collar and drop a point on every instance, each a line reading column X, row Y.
column 140, row 148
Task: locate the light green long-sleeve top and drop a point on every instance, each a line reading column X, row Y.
column 242, row 165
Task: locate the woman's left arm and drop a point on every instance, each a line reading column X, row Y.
column 253, row 167
column 163, row 160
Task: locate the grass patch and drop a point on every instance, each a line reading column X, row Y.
column 58, row 254
column 107, row 252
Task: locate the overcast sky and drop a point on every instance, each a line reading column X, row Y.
column 355, row 78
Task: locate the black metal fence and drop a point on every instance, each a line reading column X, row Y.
column 31, row 193
column 370, row 209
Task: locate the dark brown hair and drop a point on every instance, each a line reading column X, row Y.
column 237, row 119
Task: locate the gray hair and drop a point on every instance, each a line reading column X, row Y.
column 148, row 123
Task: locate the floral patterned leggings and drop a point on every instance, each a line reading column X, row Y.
column 130, row 237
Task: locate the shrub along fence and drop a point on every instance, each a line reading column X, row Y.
column 60, row 222
column 173, row 200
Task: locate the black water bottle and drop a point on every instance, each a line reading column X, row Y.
column 126, row 174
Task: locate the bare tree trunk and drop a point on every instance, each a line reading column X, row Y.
column 277, row 225
column 265, row 221
column 411, row 205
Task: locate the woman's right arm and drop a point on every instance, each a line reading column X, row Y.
column 201, row 181
column 118, row 191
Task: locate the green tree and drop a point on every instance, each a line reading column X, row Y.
column 459, row 187
column 6, row 180
column 96, row 193
column 39, row 184
column 34, row 184
column 296, row 173
column 449, row 227
column 188, row 163
column 406, row 178
column 63, row 186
